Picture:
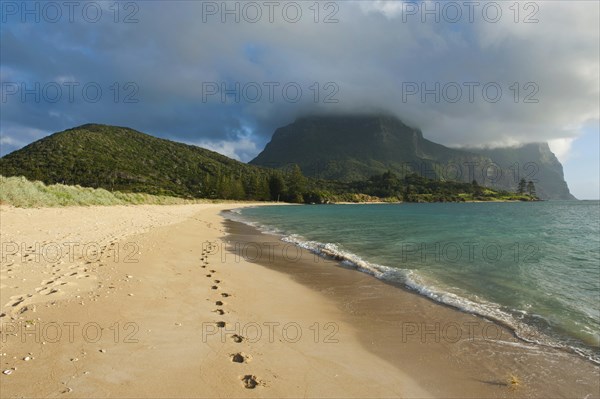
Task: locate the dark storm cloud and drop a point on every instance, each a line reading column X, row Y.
column 368, row 60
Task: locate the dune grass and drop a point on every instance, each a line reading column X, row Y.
column 22, row 193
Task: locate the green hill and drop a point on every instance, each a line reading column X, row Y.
column 123, row 159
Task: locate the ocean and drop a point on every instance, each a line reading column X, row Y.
column 532, row 266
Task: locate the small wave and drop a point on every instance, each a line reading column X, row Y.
column 236, row 215
column 418, row 283
column 412, row 280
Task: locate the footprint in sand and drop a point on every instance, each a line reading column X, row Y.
column 220, row 324
column 217, row 281
column 239, row 358
column 219, row 311
column 237, row 338
column 224, row 295
column 209, row 275
column 219, row 303
column 212, row 271
column 17, row 302
column 214, row 287
column 249, row 381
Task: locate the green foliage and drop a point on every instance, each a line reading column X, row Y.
column 121, row 163
column 122, row 159
column 296, row 185
column 414, row 188
column 276, row 186
column 20, row 192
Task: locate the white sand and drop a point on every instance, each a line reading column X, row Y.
column 143, row 324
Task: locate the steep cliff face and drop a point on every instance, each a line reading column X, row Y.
column 354, row 147
column 535, row 162
column 349, row 148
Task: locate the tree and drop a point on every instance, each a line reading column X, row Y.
column 410, row 194
column 264, row 194
column 296, row 185
column 236, row 190
column 252, row 187
column 276, row 186
column 531, row 188
column 521, row 187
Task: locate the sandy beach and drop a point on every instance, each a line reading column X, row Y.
column 176, row 301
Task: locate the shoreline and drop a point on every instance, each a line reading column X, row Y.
column 523, row 333
column 180, row 321
column 151, row 326
column 427, row 202
column 307, row 268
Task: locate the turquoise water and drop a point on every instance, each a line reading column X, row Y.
column 533, row 266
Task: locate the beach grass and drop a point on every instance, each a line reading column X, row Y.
column 22, row 193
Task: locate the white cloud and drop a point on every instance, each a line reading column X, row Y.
column 561, row 148
column 7, row 140
column 242, row 149
column 390, row 9
column 13, row 137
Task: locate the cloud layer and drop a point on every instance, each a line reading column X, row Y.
column 164, row 73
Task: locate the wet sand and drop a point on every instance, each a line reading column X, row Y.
column 448, row 352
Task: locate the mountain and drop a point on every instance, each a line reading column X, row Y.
column 536, row 162
column 352, row 148
column 119, row 158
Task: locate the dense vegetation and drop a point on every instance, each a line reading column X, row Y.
column 119, row 159
column 122, row 159
column 390, row 187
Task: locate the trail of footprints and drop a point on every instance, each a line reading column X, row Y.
column 249, row 381
column 61, row 272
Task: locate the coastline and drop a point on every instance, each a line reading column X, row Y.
column 310, row 328
column 148, row 327
column 401, row 326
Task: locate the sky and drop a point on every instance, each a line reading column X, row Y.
column 225, row 75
